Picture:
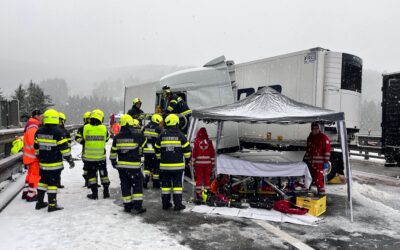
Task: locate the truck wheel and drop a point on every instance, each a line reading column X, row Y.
column 336, row 165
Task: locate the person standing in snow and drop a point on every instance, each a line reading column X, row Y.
column 51, row 146
column 317, row 155
column 203, row 160
column 125, row 156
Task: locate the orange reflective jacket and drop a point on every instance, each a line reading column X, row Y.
column 29, row 155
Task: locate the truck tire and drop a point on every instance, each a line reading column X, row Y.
column 336, row 165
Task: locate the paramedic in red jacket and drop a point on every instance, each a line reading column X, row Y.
column 317, row 155
column 203, row 158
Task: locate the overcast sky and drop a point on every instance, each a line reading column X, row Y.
column 102, row 34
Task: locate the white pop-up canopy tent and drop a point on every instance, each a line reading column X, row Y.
column 270, row 106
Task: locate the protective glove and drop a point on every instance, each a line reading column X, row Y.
column 326, row 165
column 71, row 164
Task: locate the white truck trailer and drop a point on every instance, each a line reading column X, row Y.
column 317, row 76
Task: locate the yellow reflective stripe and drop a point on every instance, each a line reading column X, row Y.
column 130, row 163
column 177, row 189
column 42, row 185
column 157, row 146
column 172, row 164
column 127, row 144
column 55, row 164
column 166, row 189
column 144, row 143
column 52, row 187
column 186, row 112
column 170, row 142
column 114, row 148
column 62, row 141
column 113, row 154
column 137, row 195
column 187, row 154
column 186, row 144
column 158, row 155
column 150, row 133
column 173, row 101
column 126, row 198
column 46, row 140
column 65, row 151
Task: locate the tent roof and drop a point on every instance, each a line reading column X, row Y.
column 268, row 106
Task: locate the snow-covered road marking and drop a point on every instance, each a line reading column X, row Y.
column 283, row 235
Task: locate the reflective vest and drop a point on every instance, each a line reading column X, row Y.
column 95, row 138
column 29, row 155
column 17, row 145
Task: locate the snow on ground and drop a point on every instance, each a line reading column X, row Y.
column 83, row 224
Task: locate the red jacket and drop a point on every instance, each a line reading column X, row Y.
column 31, row 127
column 203, row 154
column 318, row 148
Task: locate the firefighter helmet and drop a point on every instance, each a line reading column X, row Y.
column 97, row 114
column 136, row 100
column 172, row 120
column 51, row 116
column 126, row 120
column 62, row 116
column 156, row 118
column 86, row 115
column 136, row 123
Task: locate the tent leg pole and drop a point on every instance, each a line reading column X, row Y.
column 192, row 128
column 219, row 135
column 345, row 153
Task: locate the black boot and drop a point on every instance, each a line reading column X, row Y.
column 166, row 206
column 106, row 192
column 179, row 207
column 128, row 207
column 40, row 203
column 139, row 210
column 53, row 203
column 94, row 194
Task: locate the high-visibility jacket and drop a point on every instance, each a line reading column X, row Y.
column 127, row 149
column 318, row 148
column 96, row 137
column 151, row 132
column 51, row 147
column 203, row 154
column 172, row 148
column 17, row 145
column 177, row 105
column 31, row 127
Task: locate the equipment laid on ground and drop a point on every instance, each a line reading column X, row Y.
column 316, row 205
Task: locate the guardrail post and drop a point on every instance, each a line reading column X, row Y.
column 366, row 157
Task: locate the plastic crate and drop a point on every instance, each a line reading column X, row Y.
column 316, row 205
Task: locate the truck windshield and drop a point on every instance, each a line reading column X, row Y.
column 351, row 72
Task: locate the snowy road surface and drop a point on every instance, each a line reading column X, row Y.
column 87, row 224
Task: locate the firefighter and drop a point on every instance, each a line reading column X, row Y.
column 29, row 157
column 317, row 156
column 17, row 145
column 176, row 105
column 79, row 139
column 51, row 147
column 67, row 135
column 203, row 160
column 135, row 112
column 125, row 156
column 151, row 164
column 95, row 136
column 172, row 148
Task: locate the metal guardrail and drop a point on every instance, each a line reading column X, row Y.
column 13, row 164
